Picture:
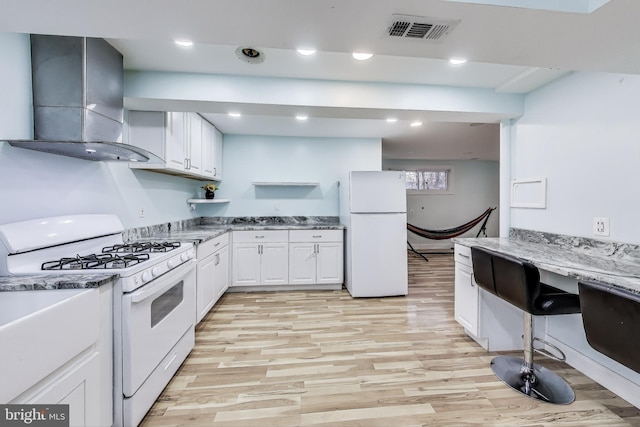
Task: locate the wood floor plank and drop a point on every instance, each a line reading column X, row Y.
column 322, row 358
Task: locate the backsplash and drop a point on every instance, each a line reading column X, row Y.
column 628, row 252
column 138, row 233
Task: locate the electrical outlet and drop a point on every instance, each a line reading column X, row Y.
column 600, row 226
column 141, row 212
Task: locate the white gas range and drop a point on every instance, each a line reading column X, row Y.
column 154, row 297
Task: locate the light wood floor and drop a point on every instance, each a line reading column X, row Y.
column 325, row 359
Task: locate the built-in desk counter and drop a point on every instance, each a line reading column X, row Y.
column 562, row 261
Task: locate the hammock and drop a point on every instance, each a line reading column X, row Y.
column 452, row 232
column 449, row 233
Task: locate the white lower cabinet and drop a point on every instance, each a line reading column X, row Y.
column 85, row 382
column 260, row 258
column 315, row 257
column 491, row 321
column 79, row 388
column 212, row 273
column 466, row 298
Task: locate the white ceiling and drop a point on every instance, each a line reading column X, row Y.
column 510, row 50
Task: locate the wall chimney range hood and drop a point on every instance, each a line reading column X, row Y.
column 78, row 100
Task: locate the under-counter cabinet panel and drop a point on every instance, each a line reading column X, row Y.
column 492, row 322
column 260, row 258
column 466, row 298
column 212, row 273
column 316, row 257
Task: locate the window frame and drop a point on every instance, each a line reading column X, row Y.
column 450, row 180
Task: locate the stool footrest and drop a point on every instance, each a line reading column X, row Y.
column 561, row 358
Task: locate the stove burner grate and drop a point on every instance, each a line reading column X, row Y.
column 93, row 262
column 142, row 247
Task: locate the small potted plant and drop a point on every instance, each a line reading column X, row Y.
column 209, row 191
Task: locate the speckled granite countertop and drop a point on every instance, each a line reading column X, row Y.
column 36, row 282
column 617, row 264
column 195, row 230
column 210, row 228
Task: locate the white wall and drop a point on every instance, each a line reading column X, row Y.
column 265, row 158
column 582, row 133
column 475, row 188
column 35, row 184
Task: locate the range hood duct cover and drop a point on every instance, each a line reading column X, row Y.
column 78, row 100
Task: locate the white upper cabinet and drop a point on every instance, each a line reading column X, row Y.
column 193, row 144
column 211, row 151
column 174, row 137
column 185, row 141
column 217, row 154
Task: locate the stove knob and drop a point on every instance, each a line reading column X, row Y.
column 146, row 276
column 155, row 271
column 184, row 256
column 172, row 263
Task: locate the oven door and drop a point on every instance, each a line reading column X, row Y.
column 154, row 318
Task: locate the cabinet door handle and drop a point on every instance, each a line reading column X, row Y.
column 215, row 171
column 217, row 259
column 317, row 237
column 259, row 237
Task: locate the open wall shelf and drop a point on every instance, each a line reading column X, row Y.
column 193, row 202
column 284, row 184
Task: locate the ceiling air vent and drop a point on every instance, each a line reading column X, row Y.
column 420, row 27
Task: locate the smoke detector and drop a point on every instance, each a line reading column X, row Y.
column 419, row 27
column 250, row 55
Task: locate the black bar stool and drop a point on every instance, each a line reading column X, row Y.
column 611, row 318
column 518, row 282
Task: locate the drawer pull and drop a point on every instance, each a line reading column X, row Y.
column 463, row 255
column 317, row 237
column 259, row 237
column 217, row 244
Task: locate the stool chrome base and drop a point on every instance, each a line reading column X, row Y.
column 538, row 383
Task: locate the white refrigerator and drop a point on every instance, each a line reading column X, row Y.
column 376, row 234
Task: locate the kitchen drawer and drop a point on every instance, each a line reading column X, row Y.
column 463, row 255
column 260, row 236
column 315, row 235
column 210, row 246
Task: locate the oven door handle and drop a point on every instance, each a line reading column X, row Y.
column 169, row 278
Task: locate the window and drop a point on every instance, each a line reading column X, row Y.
column 431, row 180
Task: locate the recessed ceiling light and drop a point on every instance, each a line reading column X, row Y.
column 235, row 114
column 392, row 119
column 184, row 43
column 301, row 117
column 306, row 52
column 416, row 123
column 361, row 56
column 457, row 61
